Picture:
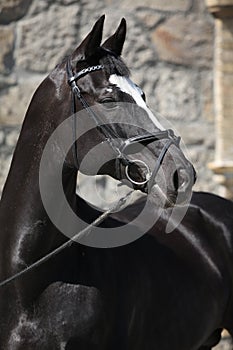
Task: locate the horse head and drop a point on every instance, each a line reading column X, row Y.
column 112, row 130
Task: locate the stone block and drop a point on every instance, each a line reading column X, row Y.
column 15, row 100
column 11, row 10
column 210, row 3
column 7, row 80
column 12, row 137
column 200, row 6
column 185, row 40
column 194, row 135
column 147, row 78
column 7, row 38
column 5, row 161
column 39, row 6
column 138, row 51
column 148, row 18
column 176, row 94
column 165, row 5
column 200, row 159
column 43, row 45
column 220, row 8
column 2, row 137
column 207, row 95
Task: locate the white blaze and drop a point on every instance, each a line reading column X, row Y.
column 126, row 85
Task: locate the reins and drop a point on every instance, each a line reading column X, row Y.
column 119, row 205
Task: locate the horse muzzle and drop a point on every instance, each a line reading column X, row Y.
column 176, row 191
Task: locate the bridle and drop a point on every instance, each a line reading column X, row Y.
column 110, row 136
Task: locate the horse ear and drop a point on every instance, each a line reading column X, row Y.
column 92, row 41
column 116, row 41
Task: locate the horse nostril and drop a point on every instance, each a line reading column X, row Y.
column 184, row 180
column 181, row 180
column 176, row 180
column 194, row 175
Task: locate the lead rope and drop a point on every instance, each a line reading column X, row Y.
column 119, row 205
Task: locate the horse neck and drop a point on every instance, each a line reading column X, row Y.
column 23, row 219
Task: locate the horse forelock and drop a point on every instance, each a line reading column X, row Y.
column 114, row 65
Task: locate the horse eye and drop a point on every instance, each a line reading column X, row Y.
column 109, row 102
column 143, row 96
column 141, row 92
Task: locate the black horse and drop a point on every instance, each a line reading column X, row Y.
column 161, row 291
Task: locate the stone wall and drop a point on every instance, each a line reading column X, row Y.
column 169, row 49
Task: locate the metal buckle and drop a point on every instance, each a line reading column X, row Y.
column 139, row 163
